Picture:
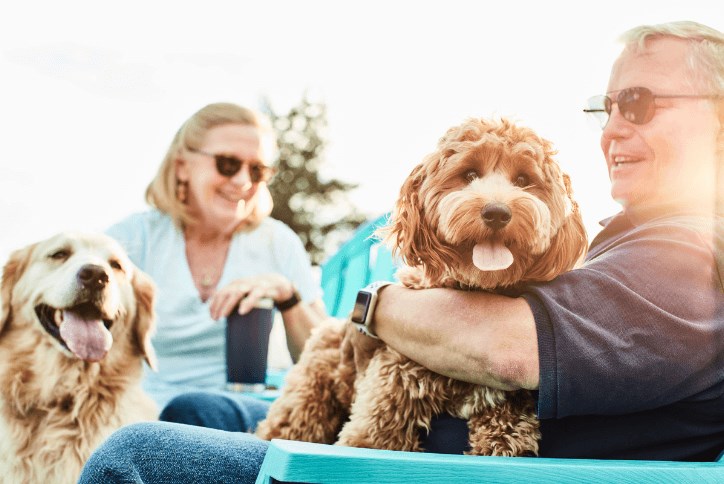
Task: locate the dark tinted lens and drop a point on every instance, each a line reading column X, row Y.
column 256, row 172
column 227, row 165
column 636, row 104
column 259, row 172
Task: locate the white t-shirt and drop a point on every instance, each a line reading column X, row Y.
column 189, row 344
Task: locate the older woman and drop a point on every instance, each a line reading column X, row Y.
column 210, row 245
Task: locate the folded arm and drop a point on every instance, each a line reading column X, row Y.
column 470, row 336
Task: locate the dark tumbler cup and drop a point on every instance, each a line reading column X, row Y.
column 247, row 344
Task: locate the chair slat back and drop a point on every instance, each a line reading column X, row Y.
column 361, row 260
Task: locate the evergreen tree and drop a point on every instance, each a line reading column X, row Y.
column 317, row 209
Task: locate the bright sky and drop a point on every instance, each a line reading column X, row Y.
column 92, row 92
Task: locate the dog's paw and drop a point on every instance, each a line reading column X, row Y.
column 412, row 277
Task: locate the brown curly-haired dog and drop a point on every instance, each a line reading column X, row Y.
column 488, row 210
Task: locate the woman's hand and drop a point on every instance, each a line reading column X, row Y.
column 247, row 292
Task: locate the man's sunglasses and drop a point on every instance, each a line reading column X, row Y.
column 229, row 166
column 636, row 104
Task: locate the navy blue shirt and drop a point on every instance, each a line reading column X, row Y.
column 631, row 347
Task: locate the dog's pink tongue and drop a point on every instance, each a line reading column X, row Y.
column 492, row 256
column 88, row 339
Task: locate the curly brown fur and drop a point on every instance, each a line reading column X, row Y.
column 55, row 407
column 438, row 229
column 317, row 392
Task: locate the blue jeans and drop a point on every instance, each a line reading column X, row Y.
column 183, row 450
column 204, row 439
column 230, row 412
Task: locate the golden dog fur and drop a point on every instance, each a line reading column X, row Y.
column 373, row 396
column 55, row 406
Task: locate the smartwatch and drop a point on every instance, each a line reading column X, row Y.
column 364, row 307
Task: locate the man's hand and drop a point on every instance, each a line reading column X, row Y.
column 358, row 348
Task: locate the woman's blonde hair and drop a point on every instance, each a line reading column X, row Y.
column 162, row 191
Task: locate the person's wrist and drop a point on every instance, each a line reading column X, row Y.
column 372, row 325
column 285, row 290
column 364, row 309
column 291, row 299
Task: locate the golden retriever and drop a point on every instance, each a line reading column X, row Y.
column 75, row 325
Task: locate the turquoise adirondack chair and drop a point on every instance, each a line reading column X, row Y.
column 287, row 461
column 358, row 262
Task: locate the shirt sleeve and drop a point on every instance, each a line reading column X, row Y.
column 639, row 326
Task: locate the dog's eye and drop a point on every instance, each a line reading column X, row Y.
column 61, row 254
column 471, row 175
column 115, row 265
column 522, row 181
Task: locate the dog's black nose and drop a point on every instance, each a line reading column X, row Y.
column 92, row 277
column 496, row 215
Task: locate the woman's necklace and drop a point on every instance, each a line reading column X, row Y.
column 206, row 261
column 208, row 280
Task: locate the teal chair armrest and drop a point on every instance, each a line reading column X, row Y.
column 288, row 461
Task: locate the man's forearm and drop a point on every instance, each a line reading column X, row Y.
column 471, row 336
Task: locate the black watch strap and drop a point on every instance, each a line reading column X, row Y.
column 289, row 303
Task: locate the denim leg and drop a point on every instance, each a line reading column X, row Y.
column 235, row 413
column 162, row 452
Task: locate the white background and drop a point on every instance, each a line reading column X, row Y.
column 91, row 92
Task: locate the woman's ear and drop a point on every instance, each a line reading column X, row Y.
column 181, row 169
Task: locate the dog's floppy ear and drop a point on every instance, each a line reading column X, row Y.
column 13, row 270
column 567, row 247
column 399, row 233
column 145, row 323
column 410, row 234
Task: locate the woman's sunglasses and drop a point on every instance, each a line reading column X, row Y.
column 636, row 104
column 229, row 166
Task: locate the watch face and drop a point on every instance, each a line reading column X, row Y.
column 361, row 305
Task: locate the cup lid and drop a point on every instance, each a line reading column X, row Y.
column 265, row 303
